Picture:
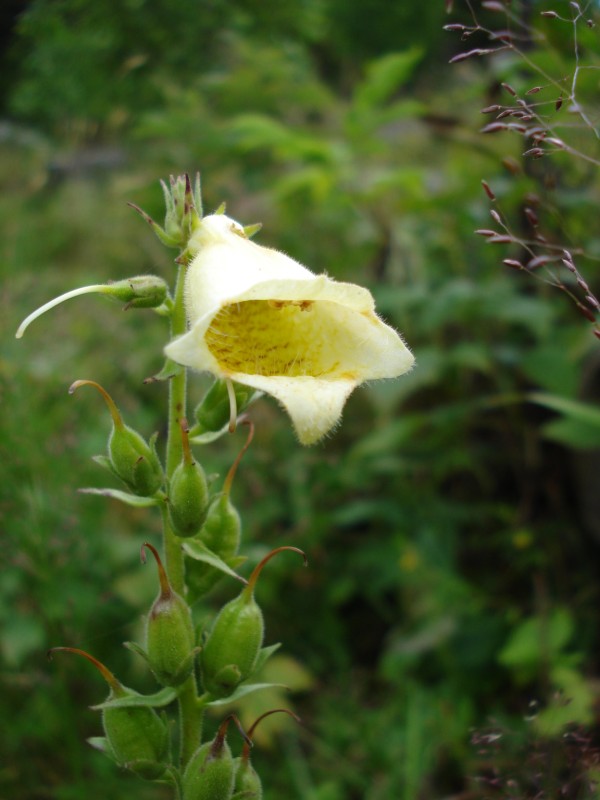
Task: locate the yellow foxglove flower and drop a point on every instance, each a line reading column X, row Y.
column 261, row 319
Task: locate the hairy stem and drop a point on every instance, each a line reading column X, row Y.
column 177, row 411
column 190, row 712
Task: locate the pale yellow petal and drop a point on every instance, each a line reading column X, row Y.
column 315, row 406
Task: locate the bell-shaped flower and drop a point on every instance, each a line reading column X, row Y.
column 259, row 318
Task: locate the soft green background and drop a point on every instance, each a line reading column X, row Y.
column 451, row 524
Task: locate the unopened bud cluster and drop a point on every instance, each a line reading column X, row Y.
column 209, row 529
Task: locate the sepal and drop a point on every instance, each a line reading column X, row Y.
column 265, row 654
column 134, row 699
column 243, row 690
column 180, row 673
column 124, row 497
column 168, row 371
column 198, row 551
column 102, row 744
column 183, row 211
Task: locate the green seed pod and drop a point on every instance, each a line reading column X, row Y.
column 221, row 532
column 188, row 492
column 209, row 774
column 231, row 651
column 247, row 782
column 169, row 632
column 221, row 405
column 143, row 291
column 130, row 456
column 136, row 736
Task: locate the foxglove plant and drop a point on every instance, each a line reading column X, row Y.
column 259, row 322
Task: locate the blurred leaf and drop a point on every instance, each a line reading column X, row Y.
column 384, row 77
column 582, row 412
column 552, row 369
column 21, row 637
column 580, row 426
column 537, row 641
column 573, row 703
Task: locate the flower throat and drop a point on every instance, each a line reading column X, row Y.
column 273, row 337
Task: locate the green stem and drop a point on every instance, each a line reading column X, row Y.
column 177, row 411
column 190, row 712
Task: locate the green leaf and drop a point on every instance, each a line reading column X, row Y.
column 243, row 690
column 124, row 497
column 135, row 700
column 200, row 552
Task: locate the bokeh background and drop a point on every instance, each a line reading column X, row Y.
column 445, row 635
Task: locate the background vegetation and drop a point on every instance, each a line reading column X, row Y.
column 444, row 640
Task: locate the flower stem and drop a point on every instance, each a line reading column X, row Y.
column 177, row 411
column 190, row 712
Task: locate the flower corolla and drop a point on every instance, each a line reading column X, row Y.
column 259, row 318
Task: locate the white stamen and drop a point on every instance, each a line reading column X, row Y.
column 232, row 405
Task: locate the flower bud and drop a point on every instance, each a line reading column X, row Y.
column 231, row 651
column 209, row 774
column 132, row 459
column 136, row 736
column 169, row 632
column 220, row 533
column 188, row 492
column 183, row 211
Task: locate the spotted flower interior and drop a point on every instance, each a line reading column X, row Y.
column 290, row 338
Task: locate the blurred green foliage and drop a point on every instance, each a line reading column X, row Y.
column 451, row 522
